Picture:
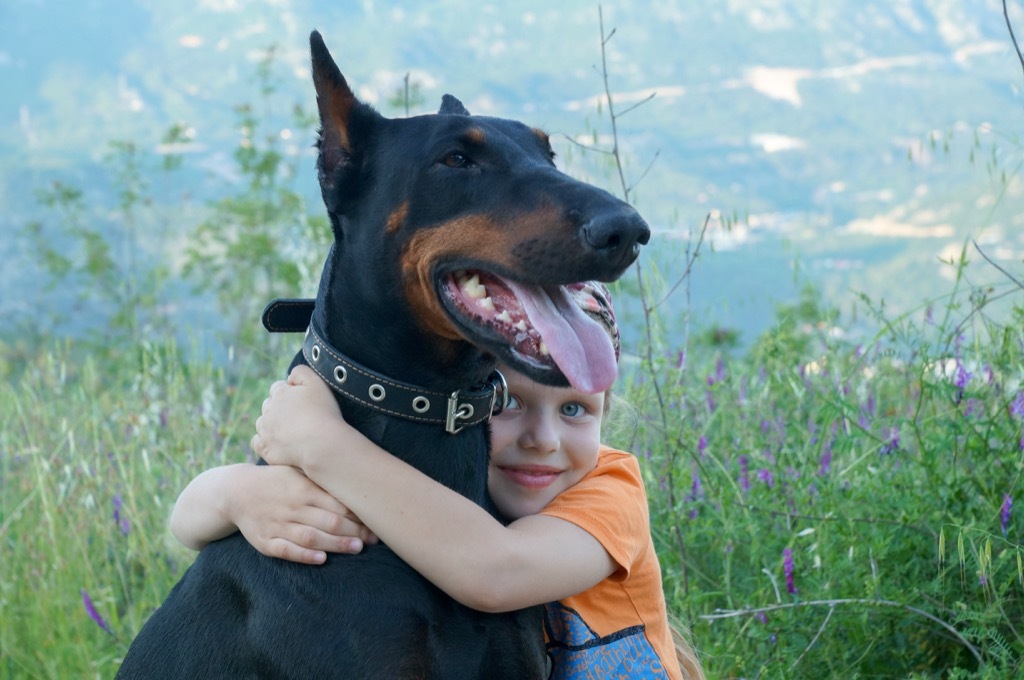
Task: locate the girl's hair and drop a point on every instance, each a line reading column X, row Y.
column 687, row 658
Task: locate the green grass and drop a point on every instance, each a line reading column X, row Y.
column 882, row 476
column 881, row 467
column 93, row 453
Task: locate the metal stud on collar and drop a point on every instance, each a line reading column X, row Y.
column 421, row 404
column 314, row 353
column 340, row 374
column 377, row 392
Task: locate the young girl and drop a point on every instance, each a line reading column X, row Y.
column 579, row 539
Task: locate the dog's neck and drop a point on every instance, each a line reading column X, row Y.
column 383, row 336
column 380, row 341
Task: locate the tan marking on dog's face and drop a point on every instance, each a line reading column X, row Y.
column 397, row 218
column 476, row 237
column 542, row 136
column 475, row 135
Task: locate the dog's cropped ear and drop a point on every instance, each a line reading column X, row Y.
column 337, row 106
column 452, row 106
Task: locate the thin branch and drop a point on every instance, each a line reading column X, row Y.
column 643, row 174
column 644, row 303
column 638, row 104
column 728, row 614
column 587, row 147
column 992, row 262
column 1009, row 27
column 611, row 106
column 817, row 635
column 689, row 264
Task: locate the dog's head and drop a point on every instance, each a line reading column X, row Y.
column 478, row 232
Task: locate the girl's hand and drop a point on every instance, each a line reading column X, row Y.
column 300, row 419
column 283, row 514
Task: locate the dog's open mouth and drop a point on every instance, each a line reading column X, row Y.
column 539, row 330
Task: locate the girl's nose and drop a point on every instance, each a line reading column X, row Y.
column 540, row 434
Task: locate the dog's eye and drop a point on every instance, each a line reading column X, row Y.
column 456, row 160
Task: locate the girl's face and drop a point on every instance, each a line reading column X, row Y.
column 544, row 442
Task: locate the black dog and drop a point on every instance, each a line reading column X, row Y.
column 454, row 236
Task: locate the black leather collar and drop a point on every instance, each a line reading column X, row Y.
column 455, row 411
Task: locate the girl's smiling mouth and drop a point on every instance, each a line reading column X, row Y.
column 531, row 476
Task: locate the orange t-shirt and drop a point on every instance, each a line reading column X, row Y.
column 618, row 628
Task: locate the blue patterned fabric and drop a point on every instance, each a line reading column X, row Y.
column 578, row 653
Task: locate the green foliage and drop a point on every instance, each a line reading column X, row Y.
column 260, row 242
column 109, row 258
column 91, row 458
column 867, row 461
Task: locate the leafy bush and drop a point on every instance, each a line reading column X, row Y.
column 822, row 504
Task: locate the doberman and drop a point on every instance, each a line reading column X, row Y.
column 455, row 236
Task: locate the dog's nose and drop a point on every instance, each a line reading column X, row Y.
column 617, row 235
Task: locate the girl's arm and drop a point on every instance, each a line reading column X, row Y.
column 450, row 540
column 278, row 510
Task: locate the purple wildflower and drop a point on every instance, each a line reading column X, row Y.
column 825, row 464
column 695, row 496
column 744, row 474
column 1017, row 407
column 681, row 359
column 867, row 411
column 766, row 476
column 702, row 444
column 928, row 315
column 893, row 445
column 121, row 521
column 962, row 376
column 1004, row 513
column 93, row 614
column 761, row 616
column 787, row 567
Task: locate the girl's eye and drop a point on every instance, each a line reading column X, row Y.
column 573, row 409
column 456, row 160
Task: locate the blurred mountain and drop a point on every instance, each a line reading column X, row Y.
column 851, row 143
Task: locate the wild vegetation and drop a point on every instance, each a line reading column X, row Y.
column 823, row 503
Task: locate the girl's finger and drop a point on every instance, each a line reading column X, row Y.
column 286, row 550
column 312, row 538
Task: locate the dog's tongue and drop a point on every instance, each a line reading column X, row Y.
column 579, row 345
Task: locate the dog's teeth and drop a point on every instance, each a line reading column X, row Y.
column 521, row 326
column 504, row 317
column 544, row 349
column 486, row 303
column 473, row 288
